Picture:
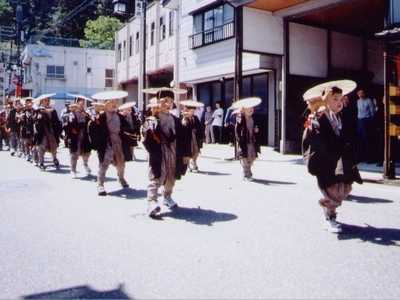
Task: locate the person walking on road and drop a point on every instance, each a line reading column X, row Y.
column 326, row 152
column 109, row 134
column 247, row 135
column 47, row 130
column 76, row 131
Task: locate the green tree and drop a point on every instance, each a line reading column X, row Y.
column 100, row 33
column 6, row 13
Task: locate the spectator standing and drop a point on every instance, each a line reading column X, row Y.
column 217, row 123
column 365, row 115
column 208, row 119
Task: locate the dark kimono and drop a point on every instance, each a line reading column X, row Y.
column 100, row 137
column 329, row 156
column 44, row 124
column 243, row 139
column 75, row 131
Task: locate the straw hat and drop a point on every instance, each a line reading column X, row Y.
column 110, row 95
column 77, row 96
column 127, row 105
column 157, row 90
column 38, row 100
column 318, row 91
column 153, row 102
column 98, row 107
column 191, row 103
column 246, row 103
column 237, row 111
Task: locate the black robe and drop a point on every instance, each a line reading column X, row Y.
column 324, row 150
column 185, row 141
column 152, row 143
column 27, row 124
column 72, row 130
column 242, row 137
column 100, row 137
column 42, row 120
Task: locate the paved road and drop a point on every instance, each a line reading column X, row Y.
column 229, row 239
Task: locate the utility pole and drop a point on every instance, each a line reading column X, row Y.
column 238, row 80
column 19, row 17
column 142, row 56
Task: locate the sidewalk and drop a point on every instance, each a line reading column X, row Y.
column 370, row 172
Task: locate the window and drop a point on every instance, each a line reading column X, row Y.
column 153, row 32
column 229, row 14
column 171, row 23
column 119, row 55
column 213, row 25
column 137, row 42
column 124, row 51
column 198, row 23
column 109, row 75
column 56, row 72
column 162, row 29
column 130, row 45
column 394, row 13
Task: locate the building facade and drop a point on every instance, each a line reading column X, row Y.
column 62, row 70
column 160, row 50
column 286, row 47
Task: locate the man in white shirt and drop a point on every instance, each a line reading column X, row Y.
column 217, row 124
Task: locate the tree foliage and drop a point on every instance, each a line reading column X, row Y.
column 6, row 13
column 100, row 33
column 53, row 17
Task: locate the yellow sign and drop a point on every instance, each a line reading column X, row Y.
column 394, row 130
column 394, row 109
column 394, row 91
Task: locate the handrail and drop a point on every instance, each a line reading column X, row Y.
column 211, row 36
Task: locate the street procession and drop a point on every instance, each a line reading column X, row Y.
column 173, row 136
column 200, row 149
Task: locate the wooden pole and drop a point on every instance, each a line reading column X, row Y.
column 389, row 165
column 238, row 80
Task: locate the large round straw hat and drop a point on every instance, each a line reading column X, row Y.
column 246, row 103
column 98, row 107
column 316, row 92
column 191, row 103
column 77, row 96
column 153, row 102
column 38, row 100
column 127, row 105
column 156, row 90
column 110, row 95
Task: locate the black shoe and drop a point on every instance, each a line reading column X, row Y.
column 56, row 163
column 101, row 191
column 42, row 166
column 12, row 153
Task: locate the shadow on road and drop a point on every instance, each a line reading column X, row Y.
column 58, row 171
column 367, row 200
column 198, row 216
column 379, row 236
column 81, row 292
column 269, row 182
column 211, row 173
column 129, row 194
column 94, row 178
